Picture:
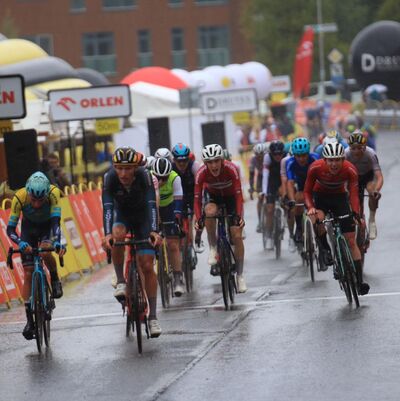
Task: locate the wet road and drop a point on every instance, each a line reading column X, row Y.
column 286, row 339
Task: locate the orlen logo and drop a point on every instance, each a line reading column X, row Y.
column 63, row 102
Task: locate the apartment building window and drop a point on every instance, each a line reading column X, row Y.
column 178, row 48
column 213, row 45
column 99, row 52
column 118, row 4
column 145, row 55
column 175, row 3
column 77, row 6
column 210, row 2
column 44, row 40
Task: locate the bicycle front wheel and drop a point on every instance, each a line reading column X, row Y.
column 226, row 273
column 263, row 223
column 277, row 232
column 162, row 276
column 46, row 322
column 38, row 312
column 310, row 249
column 349, row 270
column 136, row 310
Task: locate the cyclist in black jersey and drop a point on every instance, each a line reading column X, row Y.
column 129, row 203
column 186, row 168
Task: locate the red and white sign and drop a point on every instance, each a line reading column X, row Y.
column 12, row 97
column 90, row 103
column 280, row 83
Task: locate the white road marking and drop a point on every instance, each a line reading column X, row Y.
column 220, row 306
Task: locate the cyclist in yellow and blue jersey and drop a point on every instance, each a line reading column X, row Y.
column 39, row 204
column 171, row 200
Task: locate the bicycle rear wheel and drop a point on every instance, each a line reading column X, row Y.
column 187, row 266
column 46, row 322
column 38, row 312
column 277, row 232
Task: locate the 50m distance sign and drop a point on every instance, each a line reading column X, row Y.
column 228, row 101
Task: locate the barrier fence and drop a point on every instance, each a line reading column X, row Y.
column 82, row 228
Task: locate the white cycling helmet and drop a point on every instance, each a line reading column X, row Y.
column 162, row 167
column 259, row 149
column 163, row 152
column 212, row 152
column 329, row 139
column 333, row 151
column 150, row 161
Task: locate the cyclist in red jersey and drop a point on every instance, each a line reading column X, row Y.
column 220, row 180
column 325, row 190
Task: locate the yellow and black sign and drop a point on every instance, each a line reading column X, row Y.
column 107, row 126
column 242, row 117
column 5, row 126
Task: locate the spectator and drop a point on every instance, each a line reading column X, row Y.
column 56, row 175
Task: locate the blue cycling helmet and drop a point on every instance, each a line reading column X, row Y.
column 300, row 146
column 38, row 185
column 180, row 151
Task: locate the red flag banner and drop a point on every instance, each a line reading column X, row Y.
column 303, row 64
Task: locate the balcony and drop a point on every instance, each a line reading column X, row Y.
column 107, row 64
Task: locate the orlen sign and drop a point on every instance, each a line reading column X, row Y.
column 229, row 101
column 12, row 97
column 90, row 103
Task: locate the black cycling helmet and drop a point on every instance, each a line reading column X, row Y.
column 128, row 156
column 277, row 148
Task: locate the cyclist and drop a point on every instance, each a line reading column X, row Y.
column 171, row 195
column 39, row 204
column 325, row 191
column 355, row 122
column 129, row 203
column 289, row 212
column 221, row 181
column 330, row 137
column 369, row 174
column 187, row 170
column 296, row 170
column 271, row 183
column 256, row 168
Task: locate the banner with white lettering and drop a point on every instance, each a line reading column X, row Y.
column 90, row 103
column 12, row 97
column 229, row 101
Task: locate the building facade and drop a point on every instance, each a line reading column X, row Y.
column 119, row 36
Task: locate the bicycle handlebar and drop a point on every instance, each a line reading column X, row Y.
column 35, row 251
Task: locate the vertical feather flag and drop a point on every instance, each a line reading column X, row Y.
column 303, row 64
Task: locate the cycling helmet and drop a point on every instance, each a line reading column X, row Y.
column 180, row 151
column 38, row 185
column 357, row 137
column 163, row 152
column 351, row 123
column 333, row 134
column 162, row 167
column 150, row 161
column 127, row 156
column 300, row 146
column 329, row 139
column 227, row 155
column 276, row 148
column 259, row 149
column 212, row 152
column 333, row 151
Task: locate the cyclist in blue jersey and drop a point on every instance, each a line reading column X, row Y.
column 296, row 171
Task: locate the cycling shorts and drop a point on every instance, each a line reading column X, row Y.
column 338, row 205
column 140, row 229
column 229, row 202
column 34, row 234
column 167, row 217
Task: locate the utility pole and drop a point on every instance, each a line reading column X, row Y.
column 321, row 91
